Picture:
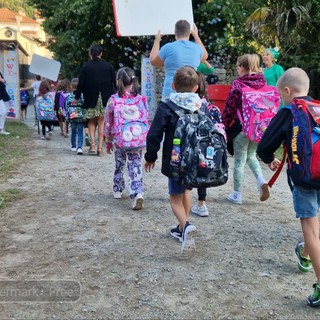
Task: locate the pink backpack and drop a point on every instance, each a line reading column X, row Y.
column 259, row 106
column 131, row 124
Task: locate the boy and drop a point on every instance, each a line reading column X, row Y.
column 294, row 83
column 185, row 83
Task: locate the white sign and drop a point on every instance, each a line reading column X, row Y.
column 147, row 17
column 45, row 67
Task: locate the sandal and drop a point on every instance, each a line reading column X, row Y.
column 99, row 153
column 92, row 149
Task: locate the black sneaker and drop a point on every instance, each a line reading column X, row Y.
column 187, row 241
column 176, row 233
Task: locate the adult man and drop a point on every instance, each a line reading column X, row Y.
column 177, row 54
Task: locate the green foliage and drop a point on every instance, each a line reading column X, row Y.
column 16, row 5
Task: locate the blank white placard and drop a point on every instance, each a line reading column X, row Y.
column 45, row 67
column 147, row 17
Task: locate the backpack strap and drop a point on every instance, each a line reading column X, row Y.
column 277, row 173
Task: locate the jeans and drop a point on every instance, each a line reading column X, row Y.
column 76, row 128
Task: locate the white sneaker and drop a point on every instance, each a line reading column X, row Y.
column 263, row 189
column 235, row 197
column 2, row 131
column 73, row 149
column 49, row 136
column 79, row 151
column 201, row 211
column 138, row 202
column 117, row 195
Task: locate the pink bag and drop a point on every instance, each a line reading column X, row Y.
column 259, row 106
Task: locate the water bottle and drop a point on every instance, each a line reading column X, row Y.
column 176, row 158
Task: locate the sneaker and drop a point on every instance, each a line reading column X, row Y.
column 79, row 151
column 304, row 264
column 201, row 211
column 263, row 189
column 137, row 202
column 49, row 135
column 43, row 137
column 176, row 233
column 187, row 241
column 117, row 195
column 314, row 299
column 235, row 197
column 73, row 149
column 87, row 140
column 2, row 131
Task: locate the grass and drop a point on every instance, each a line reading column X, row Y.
column 13, row 152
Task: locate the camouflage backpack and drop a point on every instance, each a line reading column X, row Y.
column 203, row 150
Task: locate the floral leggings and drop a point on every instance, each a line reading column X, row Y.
column 244, row 152
column 134, row 165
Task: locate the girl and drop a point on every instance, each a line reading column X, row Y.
column 244, row 149
column 126, row 104
column 214, row 114
column 46, row 93
column 62, row 90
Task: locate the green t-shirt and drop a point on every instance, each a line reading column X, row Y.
column 272, row 74
column 204, row 69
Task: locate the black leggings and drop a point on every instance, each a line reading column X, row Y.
column 202, row 193
column 45, row 124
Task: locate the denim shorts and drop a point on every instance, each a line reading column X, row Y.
column 306, row 202
column 175, row 187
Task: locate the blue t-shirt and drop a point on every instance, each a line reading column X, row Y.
column 175, row 55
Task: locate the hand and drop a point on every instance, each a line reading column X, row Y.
column 148, row 166
column 274, row 165
column 195, row 32
column 158, row 36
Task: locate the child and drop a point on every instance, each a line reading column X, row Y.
column 45, row 92
column 77, row 124
column 185, row 83
column 214, row 114
column 63, row 88
column 244, row 149
column 24, row 102
column 294, row 83
column 128, row 99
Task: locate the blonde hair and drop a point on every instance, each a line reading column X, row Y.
column 185, row 79
column 250, row 62
column 296, row 79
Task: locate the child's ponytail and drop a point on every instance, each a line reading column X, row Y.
column 125, row 78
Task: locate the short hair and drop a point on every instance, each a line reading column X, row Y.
column 185, row 79
column 182, row 28
column 295, row 79
column 250, row 62
column 63, row 85
column 38, row 77
column 74, row 83
column 202, row 86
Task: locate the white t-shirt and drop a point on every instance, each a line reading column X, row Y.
column 35, row 85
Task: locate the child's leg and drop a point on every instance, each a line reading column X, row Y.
column 310, row 229
column 187, row 203
column 202, row 194
column 73, row 134
column 240, row 144
column 92, row 130
column 43, row 125
column 100, row 132
column 253, row 162
column 118, row 180
column 178, row 208
column 134, row 164
column 80, row 134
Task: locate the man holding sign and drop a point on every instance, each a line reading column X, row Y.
column 179, row 53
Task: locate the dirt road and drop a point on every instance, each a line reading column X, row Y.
column 69, row 227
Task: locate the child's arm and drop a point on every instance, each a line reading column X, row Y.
column 148, row 166
column 108, row 125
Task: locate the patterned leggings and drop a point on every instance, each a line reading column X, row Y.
column 134, row 165
column 244, row 151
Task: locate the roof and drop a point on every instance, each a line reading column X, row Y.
column 9, row 16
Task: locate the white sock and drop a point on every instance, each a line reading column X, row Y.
column 261, row 180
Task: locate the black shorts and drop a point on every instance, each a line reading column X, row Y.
column 23, row 107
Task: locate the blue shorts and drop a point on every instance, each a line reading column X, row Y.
column 175, row 187
column 306, row 202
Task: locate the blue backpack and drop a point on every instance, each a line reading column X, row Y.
column 24, row 98
column 45, row 108
column 303, row 162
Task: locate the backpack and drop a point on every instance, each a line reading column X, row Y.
column 74, row 113
column 303, row 163
column 44, row 108
column 62, row 101
column 24, row 98
column 259, row 106
column 203, row 150
column 131, row 123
